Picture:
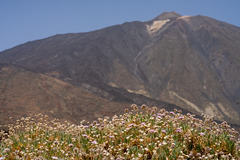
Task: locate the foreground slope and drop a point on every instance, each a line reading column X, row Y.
column 24, row 93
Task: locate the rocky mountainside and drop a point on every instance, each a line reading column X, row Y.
column 25, row 93
column 188, row 61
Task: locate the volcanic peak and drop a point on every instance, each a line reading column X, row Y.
column 167, row 15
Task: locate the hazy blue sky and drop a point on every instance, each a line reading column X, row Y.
column 27, row 20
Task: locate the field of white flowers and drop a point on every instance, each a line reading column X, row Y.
column 142, row 133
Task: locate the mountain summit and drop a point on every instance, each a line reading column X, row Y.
column 188, row 61
column 167, row 15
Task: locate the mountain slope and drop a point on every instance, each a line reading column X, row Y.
column 24, row 93
column 190, row 61
column 195, row 61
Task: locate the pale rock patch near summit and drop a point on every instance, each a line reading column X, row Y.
column 156, row 25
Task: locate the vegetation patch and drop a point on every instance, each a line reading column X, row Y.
column 142, row 133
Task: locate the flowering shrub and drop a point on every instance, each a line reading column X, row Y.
column 142, row 133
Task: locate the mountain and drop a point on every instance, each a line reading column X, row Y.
column 188, row 61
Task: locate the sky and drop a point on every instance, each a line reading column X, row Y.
column 27, row 20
